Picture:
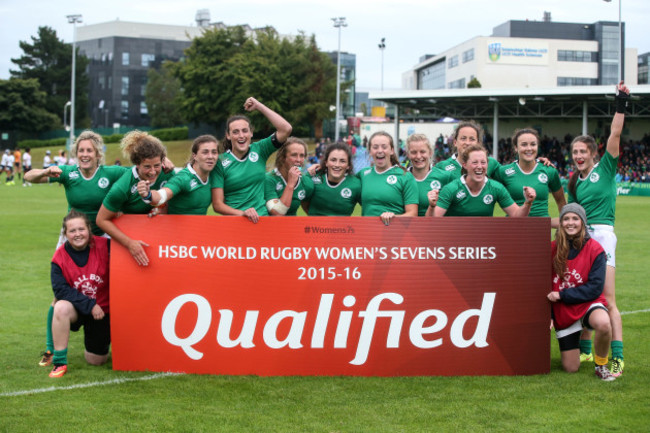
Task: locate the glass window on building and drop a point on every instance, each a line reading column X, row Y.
column 457, row 84
column 110, row 57
column 452, row 62
column 432, row 77
column 101, row 80
column 147, row 59
column 125, row 85
column 468, row 55
column 143, row 109
column 109, row 82
column 576, row 56
column 124, row 109
column 576, row 81
column 125, row 59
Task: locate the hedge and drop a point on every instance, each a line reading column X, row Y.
column 166, row 134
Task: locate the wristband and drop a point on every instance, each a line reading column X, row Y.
column 621, row 99
column 147, row 199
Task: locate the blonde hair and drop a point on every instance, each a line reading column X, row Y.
column 96, row 140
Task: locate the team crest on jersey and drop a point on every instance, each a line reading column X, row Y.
column 460, row 195
column 74, row 175
column 488, row 199
column 346, row 193
column 367, row 172
column 595, row 177
column 542, row 178
column 510, row 171
column 278, row 186
column 225, row 163
column 253, row 156
column 316, row 180
column 103, row 182
column 134, row 188
column 301, row 194
column 193, row 183
column 435, row 184
column 163, row 183
column 450, row 167
column 392, row 179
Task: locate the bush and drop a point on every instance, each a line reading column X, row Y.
column 113, row 138
column 53, row 142
column 171, row 134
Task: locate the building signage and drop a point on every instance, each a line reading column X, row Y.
column 517, row 51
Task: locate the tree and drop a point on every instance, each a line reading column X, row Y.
column 225, row 66
column 49, row 60
column 21, row 107
column 164, row 97
column 474, row 83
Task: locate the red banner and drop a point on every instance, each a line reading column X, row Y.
column 333, row 296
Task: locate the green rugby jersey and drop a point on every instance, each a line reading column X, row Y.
column 389, row 191
column 456, row 198
column 597, row 192
column 123, row 196
column 86, row 195
column 453, row 166
column 334, row 200
column 435, row 179
column 274, row 185
column 192, row 196
column 242, row 180
column 542, row 179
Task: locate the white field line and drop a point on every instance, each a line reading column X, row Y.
column 87, row 385
column 153, row 376
column 647, row 310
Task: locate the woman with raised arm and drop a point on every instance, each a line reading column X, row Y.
column 288, row 185
column 238, row 184
column 593, row 186
column 336, row 189
column 387, row 189
column 474, row 194
column 147, row 154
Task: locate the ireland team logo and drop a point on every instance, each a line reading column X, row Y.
column 225, row 163
column 316, row 180
column 510, row 171
column 595, row 177
column 74, row 175
column 543, row 178
column 392, row 179
column 134, row 188
column 435, row 184
column 193, row 183
column 450, row 167
column 301, row 194
column 278, row 186
column 253, row 157
column 346, row 193
column 460, row 195
column 103, row 182
column 494, row 51
column 488, row 199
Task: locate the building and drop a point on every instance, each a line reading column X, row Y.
column 120, row 53
column 643, row 62
column 348, row 79
column 529, row 54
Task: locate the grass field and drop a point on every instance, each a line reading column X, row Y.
column 99, row 399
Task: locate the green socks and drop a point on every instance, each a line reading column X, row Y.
column 60, row 357
column 49, row 342
column 585, row 346
column 617, row 349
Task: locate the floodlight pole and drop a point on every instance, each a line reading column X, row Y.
column 382, row 47
column 73, row 19
column 338, row 23
column 621, row 46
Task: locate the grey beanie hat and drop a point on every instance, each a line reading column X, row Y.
column 576, row 209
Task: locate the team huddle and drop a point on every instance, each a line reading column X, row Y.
column 232, row 177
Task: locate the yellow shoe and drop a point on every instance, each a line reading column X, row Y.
column 46, row 359
column 617, row 367
column 586, row 357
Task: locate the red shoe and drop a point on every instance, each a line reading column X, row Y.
column 58, row 371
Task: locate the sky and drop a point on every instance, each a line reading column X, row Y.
column 411, row 28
